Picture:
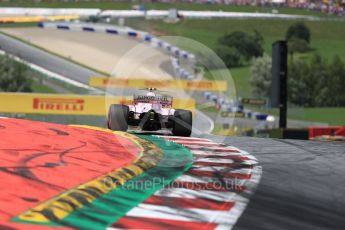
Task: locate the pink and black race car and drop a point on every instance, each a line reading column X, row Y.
column 150, row 112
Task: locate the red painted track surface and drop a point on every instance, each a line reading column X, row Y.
column 40, row 160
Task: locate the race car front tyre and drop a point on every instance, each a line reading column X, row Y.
column 118, row 117
column 182, row 125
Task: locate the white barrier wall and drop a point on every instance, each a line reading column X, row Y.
column 92, row 27
column 6, row 11
column 222, row 14
column 202, row 14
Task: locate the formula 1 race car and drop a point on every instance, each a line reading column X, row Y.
column 150, row 112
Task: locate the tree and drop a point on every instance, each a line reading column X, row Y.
column 261, row 76
column 238, row 47
column 317, row 80
column 13, row 76
column 317, row 83
column 297, row 45
column 229, row 55
column 298, row 90
column 308, row 81
column 336, row 82
column 298, row 30
column 310, row 84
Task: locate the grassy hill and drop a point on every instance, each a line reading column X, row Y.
column 327, row 39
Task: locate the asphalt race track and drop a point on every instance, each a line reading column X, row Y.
column 302, row 186
column 46, row 60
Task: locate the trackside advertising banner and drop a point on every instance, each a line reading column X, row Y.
column 69, row 104
column 18, row 19
column 160, row 84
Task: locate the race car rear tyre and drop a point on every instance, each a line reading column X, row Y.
column 182, row 123
column 118, row 117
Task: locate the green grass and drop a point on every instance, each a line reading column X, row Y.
column 125, row 5
column 18, row 25
column 332, row 116
column 41, row 83
column 40, row 88
column 59, row 4
column 327, row 37
column 329, row 115
column 238, row 79
column 241, row 76
column 37, row 86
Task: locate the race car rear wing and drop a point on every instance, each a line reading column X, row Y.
column 165, row 101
